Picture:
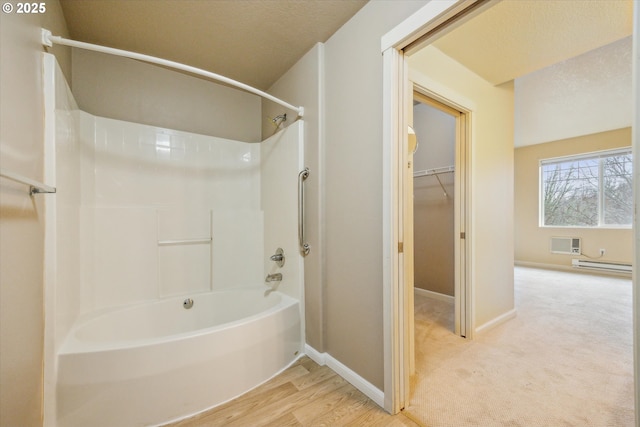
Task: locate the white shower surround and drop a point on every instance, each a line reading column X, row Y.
column 124, row 189
column 144, row 186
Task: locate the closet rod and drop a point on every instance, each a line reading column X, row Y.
column 48, row 39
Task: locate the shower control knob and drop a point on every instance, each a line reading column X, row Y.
column 278, row 257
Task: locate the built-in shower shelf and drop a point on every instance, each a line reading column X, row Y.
column 206, row 240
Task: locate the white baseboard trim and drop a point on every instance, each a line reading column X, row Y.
column 544, row 266
column 569, row 269
column 371, row 391
column 315, row 355
column 497, row 321
column 434, row 295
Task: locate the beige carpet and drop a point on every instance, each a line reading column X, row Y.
column 565, row 360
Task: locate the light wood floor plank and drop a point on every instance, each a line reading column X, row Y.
column 308, row 414
column 351, row 405
column 308, row 363
column 293, row 372
column 242, row 407
column 314, row 376
column 287, row 420
column 304, row 395
column 274, row 410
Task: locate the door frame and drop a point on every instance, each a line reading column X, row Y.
column 635, row 142
column 419, row 29
column 462, row 204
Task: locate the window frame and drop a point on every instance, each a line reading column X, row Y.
column 578, row 157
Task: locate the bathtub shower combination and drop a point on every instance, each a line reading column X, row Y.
column 175, row 270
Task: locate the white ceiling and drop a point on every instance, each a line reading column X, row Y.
column 516, row 37
column 252, row 41
column 587, row 94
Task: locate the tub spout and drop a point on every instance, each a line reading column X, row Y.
column 276, row 277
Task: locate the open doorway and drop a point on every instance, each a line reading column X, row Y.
column 433, row 208
column 439, row 191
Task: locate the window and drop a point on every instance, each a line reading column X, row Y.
column 592, row 190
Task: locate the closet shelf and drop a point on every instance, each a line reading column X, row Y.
column 435, row 171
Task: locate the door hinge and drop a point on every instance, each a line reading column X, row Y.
column 400, row 247
column 463, row 235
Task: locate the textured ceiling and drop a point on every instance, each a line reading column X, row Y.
column 252, row 41
column 516, row 37
column 587, row 94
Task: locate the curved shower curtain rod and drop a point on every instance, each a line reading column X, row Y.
column 48, row 39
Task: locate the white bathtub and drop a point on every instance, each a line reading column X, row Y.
column 157, row 362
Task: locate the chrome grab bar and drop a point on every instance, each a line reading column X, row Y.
column 304, row 247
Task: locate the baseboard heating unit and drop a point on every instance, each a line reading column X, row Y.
column 604, row 266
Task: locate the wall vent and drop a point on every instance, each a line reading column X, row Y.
column 565, row 245
column 614, row 267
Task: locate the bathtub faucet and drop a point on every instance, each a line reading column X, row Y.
column 276, row 277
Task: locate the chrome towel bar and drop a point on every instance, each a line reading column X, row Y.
column 304, row 246
column 35, row 187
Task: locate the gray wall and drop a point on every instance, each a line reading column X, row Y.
column 21, row 216
column 353, row 188
column 134, row 91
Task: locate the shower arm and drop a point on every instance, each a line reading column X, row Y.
column 48, row 39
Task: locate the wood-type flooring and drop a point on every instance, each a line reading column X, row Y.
column 305, row 394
